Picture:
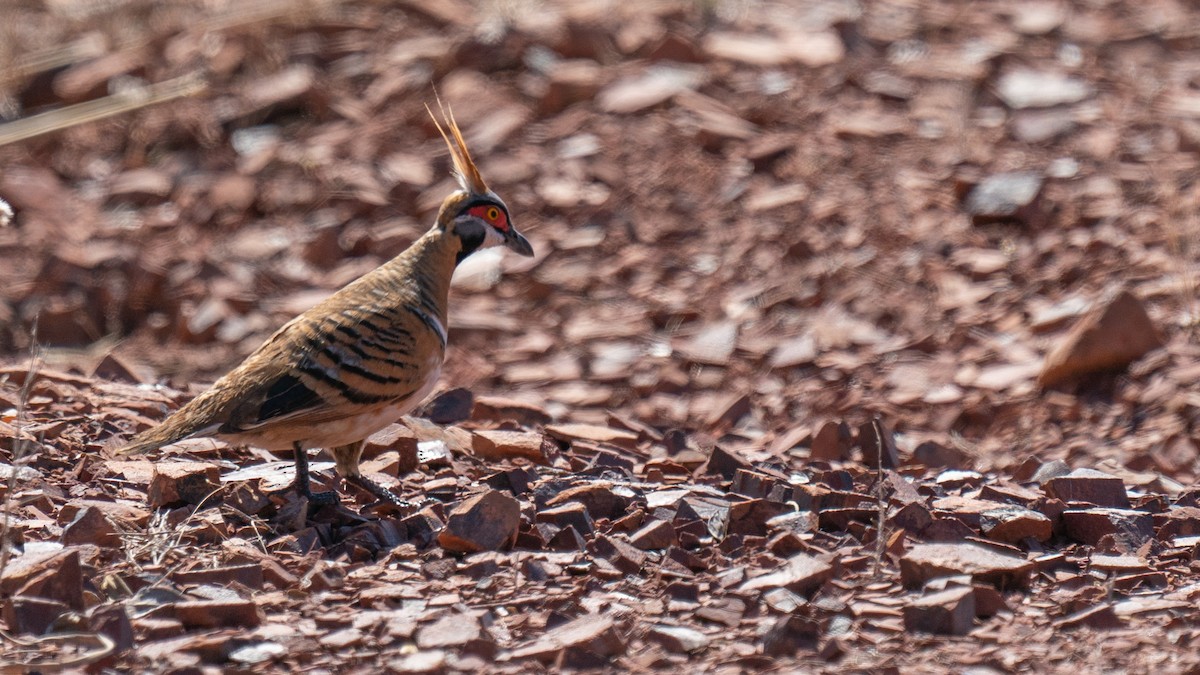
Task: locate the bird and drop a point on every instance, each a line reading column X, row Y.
column 360, row 359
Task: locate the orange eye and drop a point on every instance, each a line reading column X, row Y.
column 492, row 213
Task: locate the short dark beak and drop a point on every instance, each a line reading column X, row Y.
column 517, row 243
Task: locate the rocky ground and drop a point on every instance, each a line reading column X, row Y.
column 859, row 336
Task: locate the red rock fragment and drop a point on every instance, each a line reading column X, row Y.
column 591, row 632
column 1090, row 487
column 878, row 444
column 930, row 561
column 450, row 407
column 495, row 446
column 1099, row 617
column 678, row 639
column 56, row 576
column 593, row 433
column 176, row 483
column 832, row 442
column 572, row 513
column 485, row 522
column 654, row 535
column 218, row 613
column 498, row 409
column 90, row 526
column 725, row 463
column 619, row 553
column 801, row 573
column 599, row 498
column 249, row 575
column 1109, row 338
column 113, row 621
column 935, row 456
column 453, row 629
column 950, row 612
column 790, row 634
column 1088, row 526
column 31, row 615
column 141, row 186
column 1015, row 524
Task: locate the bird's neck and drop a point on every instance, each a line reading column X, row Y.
column 428, row 266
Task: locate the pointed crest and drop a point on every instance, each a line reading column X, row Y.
column 464, row 168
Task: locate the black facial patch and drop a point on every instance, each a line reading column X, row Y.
column 471, row 233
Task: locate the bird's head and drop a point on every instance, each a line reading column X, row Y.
column 474, row 214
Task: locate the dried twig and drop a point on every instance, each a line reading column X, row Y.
column 101, row 108
column 20, row 449
column 102, row 647
column 880, row 498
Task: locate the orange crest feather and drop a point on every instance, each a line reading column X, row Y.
column 464, row 168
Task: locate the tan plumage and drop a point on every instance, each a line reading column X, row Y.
column 359, row 360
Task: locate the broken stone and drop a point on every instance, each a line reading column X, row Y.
column 485, row 522
column 90, row 526
column 950, row 612
column 656, row 85
column 726, row 463
column 175, row 483
column 1110, row 337
column 56, row 575
column 930, row 561
column 450, row 407
column 1005, row 196
column 218, row 613
column 713, row 345
column 1015, row 524
column 452, row 629
column 1090, row 487
column 591, row 632
column 656, row 534
column 493, row 445
column 593, row 433
column 789, row 635
column 878, row 444
column 572, row 513
column 800, row 573
column 832, row 442
column 1024, row 88
column 678, row 639
column 1100, row 617
column 31, row 615
column 619, row 553
column 249, row 575
column 1088, row 526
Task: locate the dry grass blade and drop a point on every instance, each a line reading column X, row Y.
column 109, row 106
column 246, row 13
column 99, row 646
column 160, row 538
column 19, row 453
column 28, row 65
column 880, row 499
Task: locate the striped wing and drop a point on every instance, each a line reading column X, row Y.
column 326, row 367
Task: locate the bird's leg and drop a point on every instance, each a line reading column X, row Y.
column 301, row 484
column 347, row 457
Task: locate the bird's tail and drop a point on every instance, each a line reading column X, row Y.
column 177, row 427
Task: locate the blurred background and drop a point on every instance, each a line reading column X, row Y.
column 750, row 217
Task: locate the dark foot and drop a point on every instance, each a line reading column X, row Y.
column 383, row 494
column 316, row 498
